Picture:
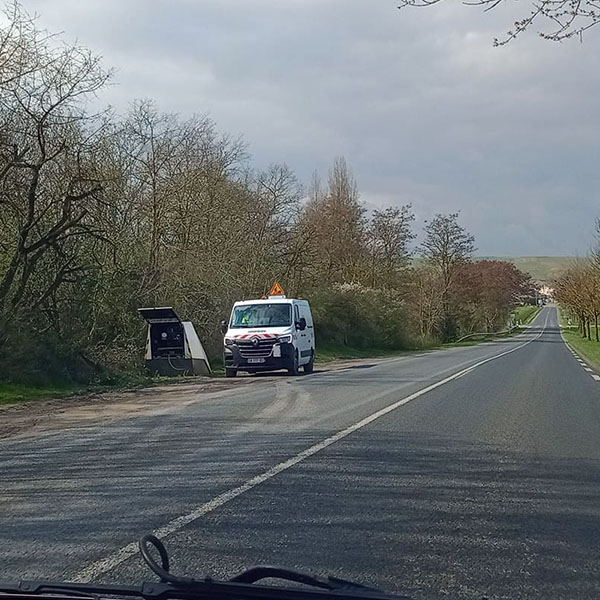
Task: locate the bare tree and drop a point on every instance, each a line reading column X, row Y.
column 50, row 184
column 447, row 246
column 389, row 235
column 22, row 45
column 564, row 18
column 336, row 220
column 426, row 301
column 578, row 290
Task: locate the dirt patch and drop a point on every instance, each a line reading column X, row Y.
column 26, row 418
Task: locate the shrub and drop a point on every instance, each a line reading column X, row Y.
column 360, row 317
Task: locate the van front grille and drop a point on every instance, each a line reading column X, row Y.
column 251, row 350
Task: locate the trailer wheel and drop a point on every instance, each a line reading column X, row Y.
column 230, row 372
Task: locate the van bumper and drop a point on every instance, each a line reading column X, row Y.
column 233, row 359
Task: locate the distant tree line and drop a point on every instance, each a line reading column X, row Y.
column 101, row 214
column 578, row 292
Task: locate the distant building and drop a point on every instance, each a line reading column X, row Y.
column 547, row 293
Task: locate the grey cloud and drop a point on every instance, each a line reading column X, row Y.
column 423, row 107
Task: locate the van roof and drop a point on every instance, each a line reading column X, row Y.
column 268, row 301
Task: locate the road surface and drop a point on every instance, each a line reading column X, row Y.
column 462, row 473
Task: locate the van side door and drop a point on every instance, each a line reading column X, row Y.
column 306, row 336
column 306, row 313
column 302, row 343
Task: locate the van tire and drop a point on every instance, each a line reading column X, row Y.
column 309, row 367
column 230, row 372
column 294, row 369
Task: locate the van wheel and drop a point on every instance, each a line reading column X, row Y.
column 294, row 370
column 230, row 372
column 310, row 365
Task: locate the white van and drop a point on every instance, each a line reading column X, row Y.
column 269, row 334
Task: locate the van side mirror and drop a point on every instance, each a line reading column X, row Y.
column 301, row 324
column 224, row 327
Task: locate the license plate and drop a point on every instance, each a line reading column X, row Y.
column 254, row 361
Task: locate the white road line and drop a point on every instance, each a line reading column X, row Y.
column 588, row 370
column 111, row 561
column 596, row 377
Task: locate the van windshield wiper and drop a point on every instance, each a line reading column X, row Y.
column 174, row 587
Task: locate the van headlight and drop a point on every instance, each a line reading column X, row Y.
column 229, row 341
column 284, row 339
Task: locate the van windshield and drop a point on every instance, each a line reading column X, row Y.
column 261, row 315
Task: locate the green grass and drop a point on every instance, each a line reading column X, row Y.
column 526, row 314
column 589, row 349
column 10, row 393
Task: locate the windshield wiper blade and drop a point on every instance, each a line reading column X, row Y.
column 255, row 574
column 173, row 587
column 196, row 590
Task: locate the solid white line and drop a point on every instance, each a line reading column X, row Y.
column 116, row 558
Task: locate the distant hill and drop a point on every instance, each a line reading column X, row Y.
column 544, row 269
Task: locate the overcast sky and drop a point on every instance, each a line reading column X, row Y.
column 424, row 108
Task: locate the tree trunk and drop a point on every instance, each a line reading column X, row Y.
column 596, row 326
column 589, row 332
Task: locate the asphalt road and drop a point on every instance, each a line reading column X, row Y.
column 460, row 473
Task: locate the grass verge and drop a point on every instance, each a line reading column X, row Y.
column 10, row 393
column 589, row 349
column 526, row 314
